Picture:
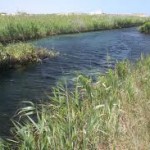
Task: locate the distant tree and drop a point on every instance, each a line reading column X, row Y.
column 22, row 13
column 3, row 13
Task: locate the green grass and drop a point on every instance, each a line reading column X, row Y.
column 19, row 54
column 112, row 113
column 21, row 28
column 1, row 145
column 145, row 28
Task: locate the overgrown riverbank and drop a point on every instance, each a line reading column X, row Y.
column 26, row 27
column 112, row 113
column 145, row 28
column 19, row 54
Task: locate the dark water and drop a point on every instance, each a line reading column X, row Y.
column 89, row 53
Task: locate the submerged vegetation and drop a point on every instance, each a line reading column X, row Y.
column 19, row 54
column 25, row 27
column 112, row 113
column 145, row 28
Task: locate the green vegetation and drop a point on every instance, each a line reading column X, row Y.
column 145, row 28
column 1, row 145
column 25, row 27
column 112, row 113
column 14, row 55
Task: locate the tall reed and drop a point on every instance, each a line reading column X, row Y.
column 112, row 113
column 145, row 28
column 25, row 27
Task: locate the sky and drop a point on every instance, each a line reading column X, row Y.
column 81, row 6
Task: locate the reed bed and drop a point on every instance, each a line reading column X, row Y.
column 145, row 28
column 19, row 54
column 26, row 27
column 111, row 113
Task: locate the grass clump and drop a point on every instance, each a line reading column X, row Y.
column 19, row 54
column 145, row 28
column 1, row 145
column 112, row 113
column 25, row 27
column 4, row 145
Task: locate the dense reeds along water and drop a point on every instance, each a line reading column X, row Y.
column 90, row 53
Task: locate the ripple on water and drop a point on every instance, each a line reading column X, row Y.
column 89, row 53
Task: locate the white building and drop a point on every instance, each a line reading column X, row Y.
column 97, row 12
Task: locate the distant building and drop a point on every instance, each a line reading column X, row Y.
column 130, row 14
column 140, row 15
column 3, row 14
column 70, row 13
column 98, row 12
column 59, row 14
column 21, row 13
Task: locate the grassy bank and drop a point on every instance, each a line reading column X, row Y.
column 21, row 28
column 145, row 28
column 14, row 55
column 112, row 113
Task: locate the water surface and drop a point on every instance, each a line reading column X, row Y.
column 89, row 53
